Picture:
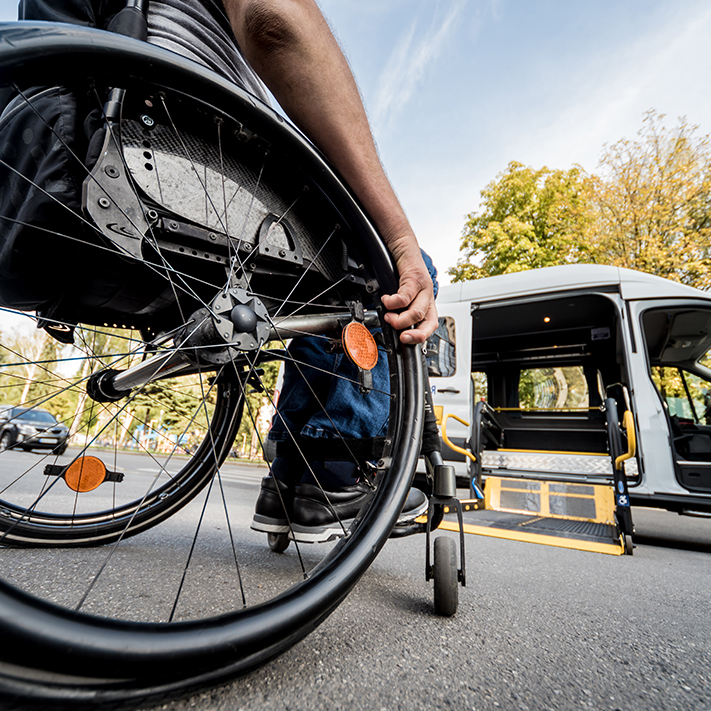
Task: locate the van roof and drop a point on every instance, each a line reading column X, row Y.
column 631, row 284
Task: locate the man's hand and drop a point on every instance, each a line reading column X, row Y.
column 413, row 304
column 290, row 46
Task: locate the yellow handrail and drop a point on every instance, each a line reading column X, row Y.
column 465, row 452
column 628, row 423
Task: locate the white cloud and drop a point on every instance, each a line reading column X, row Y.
column 408, row 62
column 598, row 99
column 663, row 70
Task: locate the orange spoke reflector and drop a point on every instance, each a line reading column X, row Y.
column 85, row 474
column 359, row 344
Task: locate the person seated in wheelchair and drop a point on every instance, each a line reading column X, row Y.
column 325, row 428
column 287, row 46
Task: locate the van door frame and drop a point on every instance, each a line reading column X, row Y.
column 624, row 333
column 664, row 475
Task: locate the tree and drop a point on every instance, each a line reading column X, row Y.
column 29, row 376
column 648, row 208
column 652, row 203
column 256, row 406
column 529, row 219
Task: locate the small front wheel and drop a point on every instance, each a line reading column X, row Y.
column 446, row 584
column 278, row 542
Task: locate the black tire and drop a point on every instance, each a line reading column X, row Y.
column 111, row 618
column 278, row 542
column 629, row 544
column 5, row 441
column 446, row 582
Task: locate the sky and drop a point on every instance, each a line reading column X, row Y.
column 456, row 89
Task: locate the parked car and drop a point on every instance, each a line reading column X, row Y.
column 23, row 428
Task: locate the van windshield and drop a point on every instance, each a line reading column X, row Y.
column 679, row 348
column 687, row 395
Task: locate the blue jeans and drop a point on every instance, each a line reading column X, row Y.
column 321, row 398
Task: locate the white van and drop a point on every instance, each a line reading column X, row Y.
column 545, row 351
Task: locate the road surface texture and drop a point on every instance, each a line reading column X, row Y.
column 537, row 628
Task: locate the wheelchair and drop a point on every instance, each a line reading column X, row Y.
column 156, row 309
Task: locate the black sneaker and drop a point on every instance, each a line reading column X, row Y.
column 415, row 505
column 322, row 516
column 273, row 511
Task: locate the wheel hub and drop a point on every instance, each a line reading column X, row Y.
column 241, row 320
column 235, row 322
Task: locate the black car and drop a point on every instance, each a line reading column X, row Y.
column 23, row 428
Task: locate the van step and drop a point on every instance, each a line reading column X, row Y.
column 565, row 463
column 554, row 513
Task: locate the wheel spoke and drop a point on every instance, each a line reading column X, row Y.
column 163, row 468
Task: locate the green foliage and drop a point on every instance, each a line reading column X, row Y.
column 529, row 219
column 40, row 372
column 169, row 408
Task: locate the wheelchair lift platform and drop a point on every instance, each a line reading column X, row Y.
column 579, row 516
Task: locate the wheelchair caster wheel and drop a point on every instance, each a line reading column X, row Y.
column 445, row 574
column 629, row 545
column 278, row 542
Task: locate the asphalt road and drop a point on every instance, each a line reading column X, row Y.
column 537, row 628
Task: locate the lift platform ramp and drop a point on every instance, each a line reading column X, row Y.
column 571, row 500
column 552, row 513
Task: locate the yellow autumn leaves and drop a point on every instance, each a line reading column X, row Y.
column 647, row 207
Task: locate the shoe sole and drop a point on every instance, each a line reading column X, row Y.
column 319, row 534
column 333, row 531
column 264, row 524
column 410, row 516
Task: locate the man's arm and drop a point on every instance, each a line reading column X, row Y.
column 290, row 46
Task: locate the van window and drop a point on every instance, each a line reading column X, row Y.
column 686, row 395
column 441, row 349
column 480, row 385
column 563, row 388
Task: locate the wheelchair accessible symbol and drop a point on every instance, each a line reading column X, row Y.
column 623, row 500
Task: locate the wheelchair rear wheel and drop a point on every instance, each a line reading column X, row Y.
column 206, row 233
